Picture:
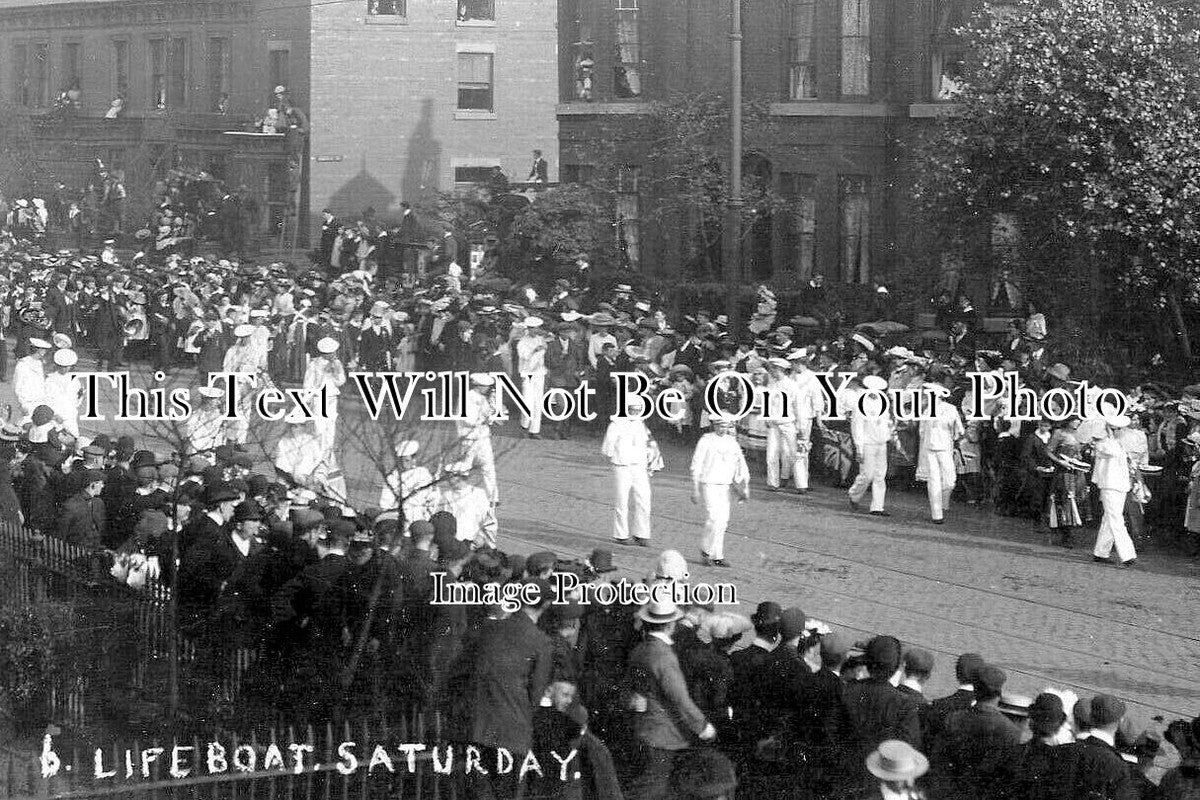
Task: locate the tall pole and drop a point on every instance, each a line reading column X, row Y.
column 732, row 260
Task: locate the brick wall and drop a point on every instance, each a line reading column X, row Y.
column 385, row 124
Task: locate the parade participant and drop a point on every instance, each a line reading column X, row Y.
column 629, row 447
column 470, row 506
column 939, row 436
column 205, row 426
column 718, row 471
column 409, row 487
column 810, row 404
column 667, row 721
column 871, row 434
column 531, row 366
column 29, row 378
column 325, row 372
column 64, row 391
column 475, row 432
column 243, row 357
column 565, row 363
column 1110, row 474
column 781, row 433
column 300, row 459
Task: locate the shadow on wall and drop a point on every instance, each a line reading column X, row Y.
column 362, row 191
column 423, row 170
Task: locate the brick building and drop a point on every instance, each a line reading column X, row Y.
column 187, row 72
column 413, row 97
column 849, row 83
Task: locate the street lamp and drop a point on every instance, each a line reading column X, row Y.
column 731, row 262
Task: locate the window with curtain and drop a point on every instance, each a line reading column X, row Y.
column 627, row 70
column 72, row 65
column 856, row 47
column 158, row 73
column 627, row 217
column 799, row 237
column 22, row 94
column 802, row 78
column 476, row 10
column 947, row 50
column 475, row 91
column 40, row 75
column 854, row 200
column 121, row 68
column 386, row 8
column 218, row 74
column 177, row 73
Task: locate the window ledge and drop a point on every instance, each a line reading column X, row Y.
column 583, row 108
column 385, row 19
column 469, row 114
column 933, row 110
column 475, row 23
column 809, row 108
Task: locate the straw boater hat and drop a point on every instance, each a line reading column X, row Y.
column 327, row 345
column 243, row 330
column 66, row 358
column 211, row 391
column 895, row 760
column 659, row 612
column 482, row 379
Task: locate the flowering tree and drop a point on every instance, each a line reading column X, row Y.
column 1080, row 118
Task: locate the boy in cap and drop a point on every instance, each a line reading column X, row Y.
column 718, row 471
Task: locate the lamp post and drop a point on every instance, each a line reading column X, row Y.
column 731, row 261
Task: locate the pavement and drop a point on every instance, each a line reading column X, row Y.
column 981, row 583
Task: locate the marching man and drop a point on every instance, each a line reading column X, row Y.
column 939, row 436
column 29, row 378
column 205, row 427
column 409, row 486
column 301, row 458
column 1111, row 474
column 64, row 391
column 871, row 433
column 718, row 471
column 810, row 403
column 326, row 370
column 628, row 447
column 475, row 433
column 781, row 430
column 531, row 366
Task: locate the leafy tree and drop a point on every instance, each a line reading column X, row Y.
column 1080, row 118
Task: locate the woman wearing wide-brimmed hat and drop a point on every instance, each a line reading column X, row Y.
column 1069, row 487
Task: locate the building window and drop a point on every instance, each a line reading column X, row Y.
column 802, row 78
column 627, row 217
column 121, row 68
column 947, row 50
column 856, row 48
column 168, row 73
column 627, row 71
column 38, row 72
column 218, row 75
column 471, row 10
column 22, row 94
column 799, row 236
column 386, row 8
column 854, row 251
column 72, row 65
column 475, row 82
column 280, row 68
column 474, row 174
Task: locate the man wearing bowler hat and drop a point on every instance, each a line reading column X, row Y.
column 1102, row 772
column 878, row 710
column 977, row 744
column 667, row 722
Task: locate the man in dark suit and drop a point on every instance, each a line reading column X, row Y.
column 878, row 710
column 375, row 343
column 752, row 694
column 822, row 726
column 61, row 309
column 82, row 521
column 509, row 675
column 667, row 721
column 207, row 535
column 1044, row 769
column 330, row 226
column 120, row 494
column 979, row 743
column 540, row 171
column 109, row 329
column 565, row 362
column 1102, row 772
column 963, row 697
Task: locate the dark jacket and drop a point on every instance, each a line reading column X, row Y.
column 82, row 522
column 1040, row 771
column 879, row 711
column 940, row 710
column 976, row 749
column 671, row 720
column 204, row 571
column 509, row 675
column 1103, row 773
column 374, row 349
column 564, row 369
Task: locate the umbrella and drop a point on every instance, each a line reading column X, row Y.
column 883, row 327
